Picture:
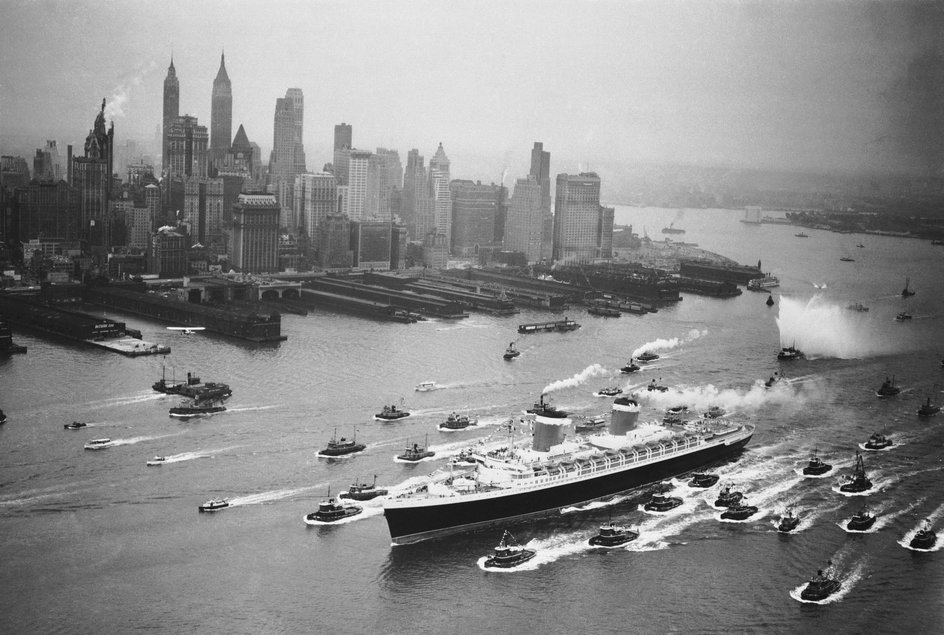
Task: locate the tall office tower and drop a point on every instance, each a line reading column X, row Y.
column 298, row 105
column 47, row 165
column 171, row 107
column 583, row 229
column 524, row 225
column 440, row 161
column 255, row 239
column 474, row 214
column 288, row 155
column 203, row 209
column 385, row 178
column 187, row 144
column 316, row 197
column 334, row 244
column 91, row 176
column 356, row 200
column 442, row 204
column 415, row 201
column 541, row 171
column 343, row 134
column 221, row 114
column 46, row 211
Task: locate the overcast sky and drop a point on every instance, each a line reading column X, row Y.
column 773, row 84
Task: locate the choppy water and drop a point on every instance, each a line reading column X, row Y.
column 98, row 541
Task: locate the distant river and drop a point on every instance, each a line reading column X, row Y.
column 99, row 542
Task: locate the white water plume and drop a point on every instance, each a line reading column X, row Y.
column 590, row 371
column 700, row 398
column 133, row 440
column 820, row 328
column 668, row 344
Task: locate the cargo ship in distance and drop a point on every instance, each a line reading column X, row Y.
column 514, row 483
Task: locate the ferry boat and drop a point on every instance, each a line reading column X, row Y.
column 425, row 386
column 802, row 235
column 340, row 447
column 790, row 353
column 330, row 511
column 98, row 444
column 820, row 586
column 816, row 466
column 391, row 413
column 508, row 553
column 928, row 409
column 847, row 259
column 363, row 491
column 457, row 422
column 559, row 325
column 672, row 229
column 511, row 352
column 613, row 535
column 517, row 482
column 788, row 522
column 75, row 425
column 925, row 538
column 887, row 389
column 213, row 505
column 762, row 284
column 157, row 460
column 859, row 481
column 861, row 521
column 196, row 408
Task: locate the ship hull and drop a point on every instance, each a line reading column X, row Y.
column 412, row 522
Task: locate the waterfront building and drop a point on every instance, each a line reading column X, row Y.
column 91, row 175
column 384, row 177
column 334, row 243
column 435, row 251
column 171, row 108
column 414, row 197
column 398, row 246
column 371, row 244
column 316, row 197
column 46, row 210
column 355, row 204
column 167, row 253
column 475, row 210
column 524, row 224
column 583, row 229
column 255, row 234
column 221, row 114
column 187, row 149
column 203, row 209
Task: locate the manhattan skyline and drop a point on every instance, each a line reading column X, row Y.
column 779, row 85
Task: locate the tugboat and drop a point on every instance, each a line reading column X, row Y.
column 341, row 447
column 654, row 386
column 173, row 386
column 363, row 491
column 858, row 306
column 609, row 391
column 928, row 409
column 75, row 425
column 925, row 538
column 878, row 441
column 790, row 353
column 415, row 452
column 816, row 466
column 631, row 367
column 788, row 522
column 613, row 535
column 820, row 586
column 645, row 357
column 770, row 300
column 391, row 413
column 508, row 553
column 590, row 424
column 98, row 444
column 700, row 479
column 888, row 389
column 714, row 412
column 727, row 498
column 773, row 379
column 739, row 511
column 511, row 352
column 3, row 417
column 196, row 408
column 213, row 505
column 861, row 521
column 901, row 317
column 157, row 460
column 457, row 422
column 662, row 503
column 330, row 511
column 907, row 292
column 858, row 482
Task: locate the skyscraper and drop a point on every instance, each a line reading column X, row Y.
column 221, row 114
column 255, row 236
column 171, row 107
column 316, row 198
column 414, row 194
column 541, row 172
column 91, row 176
column 187, row 144
column 343, row 135
column 288, row 154
column 524, row 226
column 355, row 203
column 474, row 213
column 295, row 96
column 583, row 229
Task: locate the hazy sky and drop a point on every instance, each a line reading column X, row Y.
column 771, row 84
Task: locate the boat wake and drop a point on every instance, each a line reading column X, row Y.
column 881, row 519
column 272, row 496
column 251, row 408
column 189, row 456
column 933, row 517
column 133, row 440
column 878, row 484
column 849, row 581
column 546, row 550
column 123, row 401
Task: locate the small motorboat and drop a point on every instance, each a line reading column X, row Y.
column 847, row 259
column 888, row 389
column 702, row 480
column 646, row 356
column 98, row 444
column 859, row 481
column 802, row 235
column 157, row 460
column 425, row 386
column 609, row 391
column 213, row 505
column 820, row 586
column 901, row 317
column 511, row 352
column 508, row 553
column 662, row 503
column 415, row 452
column 788, row 522
column 330, row 511
column 790, row 353
column 714, row 412
column 727, row 498
column 739, row 511
column 391, row 413
column 340, row 447
column 816, row 466
column 631, row 367
column 925, row 538
column 457, row 422
column 861, row 521
column 878, row 441
column 363, row 491
column 613, row 535
column 75, row 425
column 928, row 409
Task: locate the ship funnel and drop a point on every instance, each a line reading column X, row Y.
column 549, row 424
column 625, row 414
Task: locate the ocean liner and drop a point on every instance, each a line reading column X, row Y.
column 519, row 482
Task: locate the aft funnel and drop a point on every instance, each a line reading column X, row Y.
column 625, row 414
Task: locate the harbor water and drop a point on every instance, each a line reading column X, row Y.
column 100, row 542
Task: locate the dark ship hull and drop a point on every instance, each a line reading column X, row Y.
column 429, row 518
